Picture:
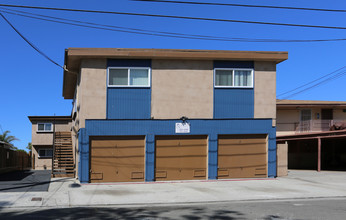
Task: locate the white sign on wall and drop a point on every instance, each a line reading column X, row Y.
column 182, row 128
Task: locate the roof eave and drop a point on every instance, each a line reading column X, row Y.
column 49, row 118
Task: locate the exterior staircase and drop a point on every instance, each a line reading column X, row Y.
column 63, row 162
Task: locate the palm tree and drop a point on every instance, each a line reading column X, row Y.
column 7, row 138
column 29, row 147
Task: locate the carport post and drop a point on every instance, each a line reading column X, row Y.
column 319, row 154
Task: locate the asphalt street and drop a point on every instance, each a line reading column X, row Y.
column 25, row 181
column 331, row 208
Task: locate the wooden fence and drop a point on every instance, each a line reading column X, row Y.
column 11, row 160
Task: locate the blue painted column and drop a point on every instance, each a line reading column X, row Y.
column 150, row 158
column 272, row 153
column 83, row 149
column 212, row 156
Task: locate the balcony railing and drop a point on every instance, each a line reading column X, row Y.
column 310, row 126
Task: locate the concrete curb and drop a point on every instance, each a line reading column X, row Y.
column 180, row 203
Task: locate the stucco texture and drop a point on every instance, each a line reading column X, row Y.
column 265, row 90
column 41, row 163
column 282, row 160
column 92, row 91
column 182, row 88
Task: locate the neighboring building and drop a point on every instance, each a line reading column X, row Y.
column 314, row 132
column 52, row 133
column 157, row 114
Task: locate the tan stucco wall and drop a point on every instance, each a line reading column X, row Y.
column 182, row 88
column 41, row 163
column 46, row 138
column 282, row 159
column 92, row 91
column 90, row 97
column 287, row 121
column 339, row 114
column 265, row 90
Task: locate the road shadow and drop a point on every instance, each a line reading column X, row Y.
column 124, row 213
column 25, row 181
column 15, row 175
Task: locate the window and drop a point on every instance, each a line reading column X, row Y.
column 133, row 77
column 238, row 78
column 44, row 127
column 45, row 152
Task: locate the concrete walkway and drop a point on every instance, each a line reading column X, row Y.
column 65, row 192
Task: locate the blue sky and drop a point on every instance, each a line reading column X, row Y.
column 31, row 85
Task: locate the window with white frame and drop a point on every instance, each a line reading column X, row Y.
column 132, row 77
column 45, row 152
column 44, row 127
column 237, row 78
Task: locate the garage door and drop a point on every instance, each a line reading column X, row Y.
column 181, row 158
column 242, row 156
column 117, row 159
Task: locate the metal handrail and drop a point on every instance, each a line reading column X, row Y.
column 314, row 125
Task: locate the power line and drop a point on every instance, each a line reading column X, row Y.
column 313, row 86
column 311, row 82
column 154, row 33
column 248, row 6
column 180, row 17
column 30, row 43
column 330, row 78
column 114, row 28
column 317, row 84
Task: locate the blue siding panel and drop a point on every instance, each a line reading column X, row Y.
column 212, row 156
column 233, row 103
column 167, row 127
column 150, row 158
column 128, row 103
column 272, row 153
column 83, row 149
column 150, row 128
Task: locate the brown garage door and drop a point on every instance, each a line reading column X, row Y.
column 242, row 156
column 117, row 159
column 181, row 158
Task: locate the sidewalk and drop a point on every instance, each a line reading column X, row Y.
column 64, row 192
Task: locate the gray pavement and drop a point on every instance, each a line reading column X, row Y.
column 268, row 210
column 25, row 181
column 66, row 192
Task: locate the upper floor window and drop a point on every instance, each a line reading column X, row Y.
column 133, row 77
column 235, row 78
column 44, row 127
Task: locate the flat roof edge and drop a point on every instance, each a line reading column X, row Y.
column 277, row 56
column 60, row 118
